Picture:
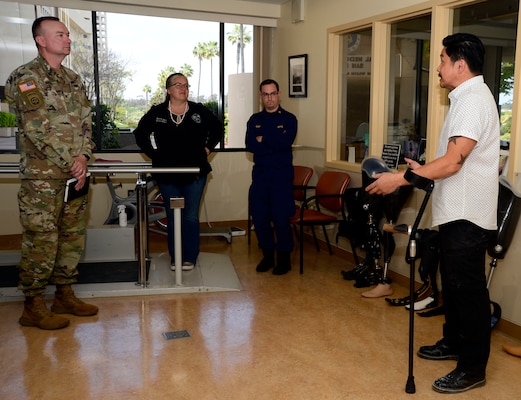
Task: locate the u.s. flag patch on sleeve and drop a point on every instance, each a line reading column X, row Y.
column 25, row 86
column 30, row 94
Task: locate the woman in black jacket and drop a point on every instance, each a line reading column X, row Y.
column 180, row 133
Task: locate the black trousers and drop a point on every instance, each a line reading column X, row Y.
column 271, row 207
column 466, row 300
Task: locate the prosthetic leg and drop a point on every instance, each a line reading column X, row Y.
column 365, row 273
column 373, row 274
column 392, row 205
column 366, row 211
column 375, row 207
column 362, row 230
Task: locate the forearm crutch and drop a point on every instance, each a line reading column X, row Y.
column 427, row 185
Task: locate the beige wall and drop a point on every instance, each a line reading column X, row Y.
column 227, row 188
column 226, row 196
column 310, row 37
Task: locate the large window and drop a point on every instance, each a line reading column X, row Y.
column 496, row 24
column 382, row 81
column 125, row 59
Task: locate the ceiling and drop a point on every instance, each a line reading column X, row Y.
column 268, row 1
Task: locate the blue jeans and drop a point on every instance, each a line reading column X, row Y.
column 192, row 193
column 466, row 300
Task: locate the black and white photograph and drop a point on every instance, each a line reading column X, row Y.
column 298, row 76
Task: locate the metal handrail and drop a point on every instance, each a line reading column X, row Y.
column 9, row 168
column 142, row 169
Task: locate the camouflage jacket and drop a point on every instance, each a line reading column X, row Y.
column 54, row 118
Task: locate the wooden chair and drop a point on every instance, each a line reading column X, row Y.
column 301, row 177
column 325, row 207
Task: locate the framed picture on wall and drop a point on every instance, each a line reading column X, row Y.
column 298, row 75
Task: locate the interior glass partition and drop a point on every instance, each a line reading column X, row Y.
column 408, row 86
column 356, row 85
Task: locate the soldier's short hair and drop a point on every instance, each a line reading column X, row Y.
column 37, row 25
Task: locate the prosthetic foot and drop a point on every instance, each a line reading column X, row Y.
column 380, row 290
column 423, row 291
column 513, row 350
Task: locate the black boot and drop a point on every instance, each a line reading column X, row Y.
column 283, row 264
column 268, row 262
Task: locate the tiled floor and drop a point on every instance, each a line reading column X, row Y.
column 308, row 336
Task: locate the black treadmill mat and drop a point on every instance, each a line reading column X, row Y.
column 91, row 272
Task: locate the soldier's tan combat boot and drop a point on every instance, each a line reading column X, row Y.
column 37, row 314
column 66, row 302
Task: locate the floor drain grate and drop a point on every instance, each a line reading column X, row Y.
column 176, row 335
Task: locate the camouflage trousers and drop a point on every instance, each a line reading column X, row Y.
column 53, row 237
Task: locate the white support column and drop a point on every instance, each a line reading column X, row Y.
column 176, row 204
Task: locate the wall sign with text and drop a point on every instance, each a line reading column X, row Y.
column 359, row 66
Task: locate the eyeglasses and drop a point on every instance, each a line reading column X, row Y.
column 180, row 85
column 266, row 95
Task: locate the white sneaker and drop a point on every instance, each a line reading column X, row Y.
column 187, row 266
column 422, row 304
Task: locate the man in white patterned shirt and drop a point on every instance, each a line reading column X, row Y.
column 464, row 207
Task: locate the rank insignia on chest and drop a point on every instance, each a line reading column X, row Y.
column 257, row 126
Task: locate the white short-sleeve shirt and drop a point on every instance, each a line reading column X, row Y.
column 472, row 193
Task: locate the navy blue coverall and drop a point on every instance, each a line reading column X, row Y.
column 271, row 192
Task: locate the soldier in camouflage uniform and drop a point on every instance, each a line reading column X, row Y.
column 54, row 122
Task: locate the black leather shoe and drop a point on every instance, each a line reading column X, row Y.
column 267, row 262
column 265, row 265
column 283, row 264
column 459, row 381
column 440, row 351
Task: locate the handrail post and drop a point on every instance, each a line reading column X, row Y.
column 142, row 218
column 176, row 204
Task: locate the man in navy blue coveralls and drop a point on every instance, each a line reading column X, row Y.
column 269, row 136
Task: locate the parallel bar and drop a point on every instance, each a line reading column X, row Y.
column 9, row 168
column 140, row 168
